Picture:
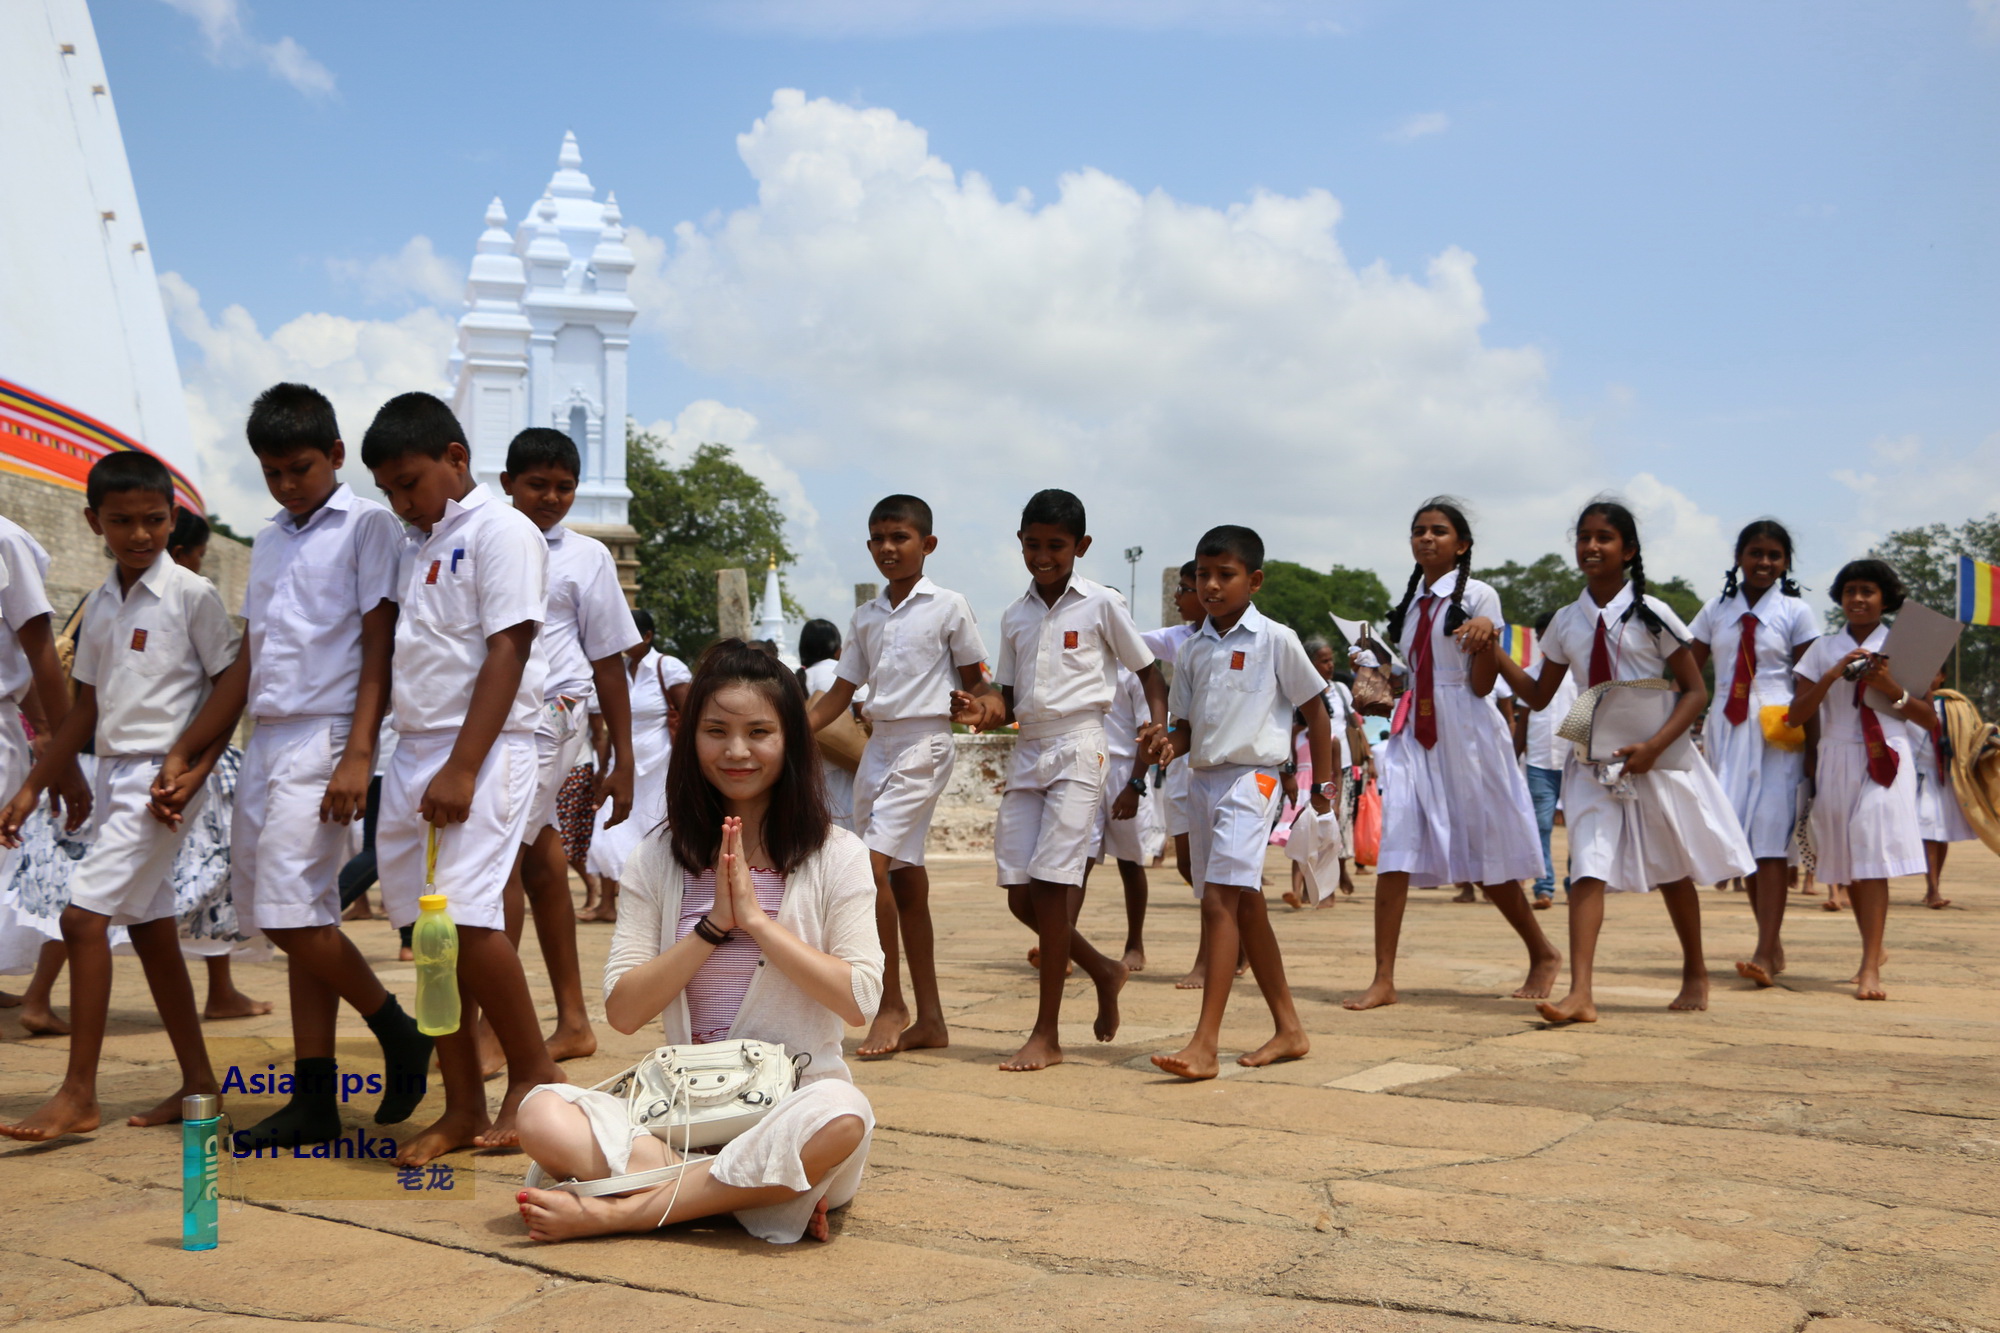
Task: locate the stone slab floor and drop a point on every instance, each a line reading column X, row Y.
column 1789, row 1159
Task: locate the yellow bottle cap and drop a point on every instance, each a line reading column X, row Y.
column 430, row 902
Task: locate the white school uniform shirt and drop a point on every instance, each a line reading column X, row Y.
column 588, row 620
column 1166, row 641
column 310, row 584
column 1127, row 714
column 23, row 596
column 909, row 655
column 1237, row 691
column 1637, row 653
column 1544, row 749
column 482, row 569
column 151, row 654
column 1839, row 719
column 1062, row 661
column 1784, row 623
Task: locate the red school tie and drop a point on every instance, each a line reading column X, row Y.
column 1427, row 721
column 1882, row 761
column 1737, row 710
column 1600, row 656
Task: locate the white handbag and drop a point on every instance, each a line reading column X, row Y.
column 695, row 1096
column 1606, row 718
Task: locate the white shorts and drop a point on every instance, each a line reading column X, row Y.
column 1174, row 795
column 1048, row 813
column 559, row 743
column 1230, row 809
column 1119, row 839
column 903, row 771
column 127, row 874
column 474, row 858
column 284, row 866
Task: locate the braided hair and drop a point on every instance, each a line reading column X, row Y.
column 1626, row 526
column 1455, row 615
column 1771, row 530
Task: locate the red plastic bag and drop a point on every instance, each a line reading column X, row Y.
column 1368, row 827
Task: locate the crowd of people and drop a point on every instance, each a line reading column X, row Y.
column 463, row 678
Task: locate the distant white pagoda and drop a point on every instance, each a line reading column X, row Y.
column 771, row 612
column 543, row 342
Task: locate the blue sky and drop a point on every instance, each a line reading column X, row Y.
column 1731, row 258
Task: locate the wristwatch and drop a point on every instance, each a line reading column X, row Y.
column 1138, row 785
column 1289, row 768
column 1326, row 789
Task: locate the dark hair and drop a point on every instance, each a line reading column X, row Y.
column 410, row 423
column 1187, row 570
column 906, row 507
column 1773, row 530
column 190, row 532
column 1542, row 622
column 818, row 640
column 539, row 446
column 1229, row 539
column 765, row 646
column 126, row 470
column 291, row 416
column 1058, row 509
column 1455, row 616
column 796, row 823
column 643, row 618
column 1621, row 521
column 1878, row 572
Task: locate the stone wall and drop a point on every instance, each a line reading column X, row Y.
column 966, row 811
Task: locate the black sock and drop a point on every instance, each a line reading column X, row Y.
column 311, row 1116
column 406, row 1059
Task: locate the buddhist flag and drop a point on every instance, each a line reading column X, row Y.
column 1518, row 642
column 1978, row 592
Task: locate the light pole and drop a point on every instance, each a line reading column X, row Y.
column 1132, row 554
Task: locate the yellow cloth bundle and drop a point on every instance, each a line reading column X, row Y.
column 1777, row 731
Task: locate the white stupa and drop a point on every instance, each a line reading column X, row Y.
column 771, row 614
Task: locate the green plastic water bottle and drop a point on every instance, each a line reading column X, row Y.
column 201, row 1161
column 435, row 944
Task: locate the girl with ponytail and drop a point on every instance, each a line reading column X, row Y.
column 1651, row 828
column 1756, row 630
column 1455, row 805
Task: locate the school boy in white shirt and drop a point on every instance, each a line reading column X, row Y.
column 153, row 638
column 1166, row 644
column 908, row 646
column 585, row 637
column 1060, row 648
column 1120, row 831
column 320, row 611
column 1236, row 682
column 467, row 697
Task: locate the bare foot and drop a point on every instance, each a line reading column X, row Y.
column 1326, row 902
column 61, row 1114
column 492, row 1057
column 572, row 1043
column 924, row 1035
column 1868, row 985
column 451, row 1131
column 405, row 955
column 1778, row 961
column 1035, row 961
column 168, row 1112
column 816, row 1224
column 560, row 1215
column 587, row 912
column 1571, row 1008
column 1106, row 1026
column 1196, row 978
column 1377, row 995
column 1693, row 997
column 1189, row 1063
column 358, row 910
column 502, row 1133
column 1036, row 1053
column 1832, row 904
column 1466, row 895
column 608, row 913
column 1756, row 971
column 1283, row 1046
column 41, row 1021
column 1543, row 904
column 1134, row 960
column 9, row 1000
column 1935, row 902
column 234, row 1005
column 1542, row 973
column 1291, row 900
column 884, row 1033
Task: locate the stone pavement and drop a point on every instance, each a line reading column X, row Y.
column 1790, row 1159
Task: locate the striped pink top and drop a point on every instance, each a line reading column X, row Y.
column 717, row 990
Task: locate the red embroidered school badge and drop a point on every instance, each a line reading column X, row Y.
column 1236, row 661
column 432, row 576
column 1069, row 638
column 138, row 641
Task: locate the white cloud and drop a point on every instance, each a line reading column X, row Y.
column 845, row 18
column 1911, row 485
column 225, row 27
column 1419, row 126
column 358, row 364
column 415, row 274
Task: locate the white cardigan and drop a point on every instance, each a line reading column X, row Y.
column 829, row 903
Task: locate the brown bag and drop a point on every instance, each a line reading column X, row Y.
column 842, row 740
column 1974, row 746
column 1374, row 692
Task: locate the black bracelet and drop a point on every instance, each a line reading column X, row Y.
column 709, row 931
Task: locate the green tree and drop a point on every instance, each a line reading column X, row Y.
column 706, row 515
column 1300, row 597
column 1927, row 558
column 1527, row 592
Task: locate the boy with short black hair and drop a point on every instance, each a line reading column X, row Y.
column 467, row 698
column 1236, row 682
column 588, row 630
column 320, row 612
column 153, row 639
column 1061, row 646
column 907, row 646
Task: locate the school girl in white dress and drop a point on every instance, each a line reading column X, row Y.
column 1652, row 828
column 1755, row 632
column 1940, row 818
column 1455, row 804
column 1864, row 815
column 659, row 683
